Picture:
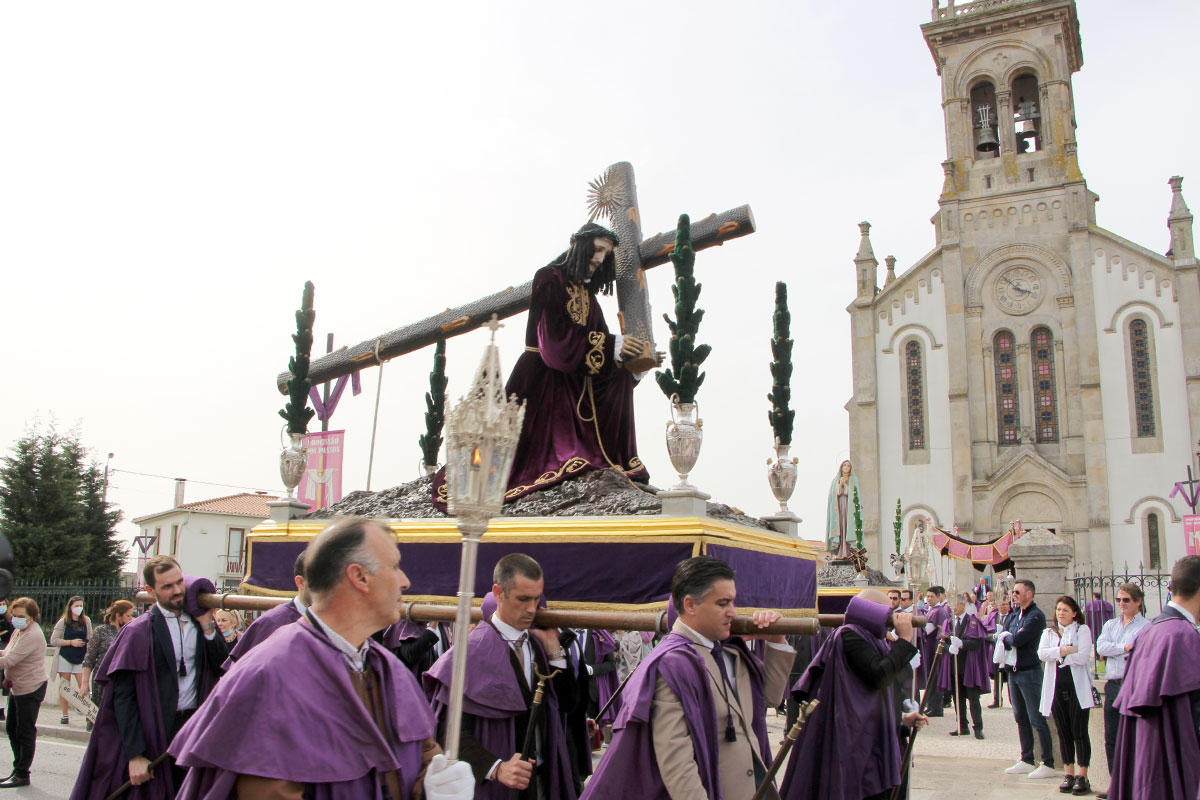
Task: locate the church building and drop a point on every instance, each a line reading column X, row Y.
column 1033, row 365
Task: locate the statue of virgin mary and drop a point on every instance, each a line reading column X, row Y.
column 839, row 513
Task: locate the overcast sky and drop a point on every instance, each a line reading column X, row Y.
column 171, row 174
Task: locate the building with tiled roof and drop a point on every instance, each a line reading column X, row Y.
column 208, row 537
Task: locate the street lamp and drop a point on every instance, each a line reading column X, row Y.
column 481, row 438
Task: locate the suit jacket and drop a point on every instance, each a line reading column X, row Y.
column 602, row 667
column 672, row 745
column 210, row 655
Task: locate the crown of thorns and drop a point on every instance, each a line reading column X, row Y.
column 591, row 230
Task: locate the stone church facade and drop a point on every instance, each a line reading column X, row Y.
column 1033, row 365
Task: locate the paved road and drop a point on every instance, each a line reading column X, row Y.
column 54, row 768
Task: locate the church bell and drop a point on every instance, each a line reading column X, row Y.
column 985, row 140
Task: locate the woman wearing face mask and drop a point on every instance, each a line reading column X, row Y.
column 118, row 615
column 70, row 636
column 6, row 629
column 230, row 624
column 24, row 665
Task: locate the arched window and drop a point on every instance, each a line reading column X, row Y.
column 1007, row 413
column 1045, row 393
column 1153, row 542
column 984, row 121
column 1026, row 114
column 914, row 378
column 1143, row 387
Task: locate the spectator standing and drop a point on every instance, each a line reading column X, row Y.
column 6, row 629
column 1097, row 612
column 70, row 636
column 1067, row 690
column 1113, row 645
column 116, row 616
column 24, row 665
column 1023, row 633
column 229, row 622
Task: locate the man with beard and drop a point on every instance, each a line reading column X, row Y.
column 159, row 670
column 572, row 376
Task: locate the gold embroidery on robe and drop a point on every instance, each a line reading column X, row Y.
column 595, row 357
column 579, row 303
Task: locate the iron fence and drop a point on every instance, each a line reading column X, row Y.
column 1155, row 585
column 52, row 596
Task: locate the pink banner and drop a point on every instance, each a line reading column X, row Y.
column 321, row 484
column 1191, row 533
column 994, row 552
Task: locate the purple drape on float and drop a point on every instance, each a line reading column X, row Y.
column 766, row 580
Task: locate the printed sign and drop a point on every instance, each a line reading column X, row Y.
column 1191, row 534
column 321, row 484
column 77, row 701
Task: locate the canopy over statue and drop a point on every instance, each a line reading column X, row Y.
column 573, row 375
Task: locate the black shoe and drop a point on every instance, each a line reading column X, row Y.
column 960, row 733
column 993, row 705
column 1082, row 786
column 978, row 733
column 937, row 713
column 13, row 781
column 1067, row 785
column 1102, row 795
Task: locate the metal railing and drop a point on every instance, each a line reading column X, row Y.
column 953, row 9
column 1155, row 585
column 233, row 565
column 52, row 596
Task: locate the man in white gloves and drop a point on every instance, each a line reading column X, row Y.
column 319, row 708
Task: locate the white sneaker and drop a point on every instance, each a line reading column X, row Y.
column 1020, row 768
column 1043, row 772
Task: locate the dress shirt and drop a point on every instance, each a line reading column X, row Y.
column 1113, row 637
column 303, row 609
column 511, row 635
column 730, row 658
column 355, row 656
column 1186, row 614
column 182, row 629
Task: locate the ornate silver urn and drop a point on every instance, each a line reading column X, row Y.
column 684, row 437
column 292, row 462
column 781, row 475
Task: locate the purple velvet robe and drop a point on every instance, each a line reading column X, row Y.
column 1157, row 753
column 104, row 766
column 629, row 768
column 927, row 642
column 493, row 696
column 288, row 711
column 578, row 397
column 261, row 628
column 606, row 684
column 1097, row 612
column 974, row 664
column 850, row 747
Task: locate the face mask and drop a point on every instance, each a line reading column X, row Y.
column 20, row 622
column 77, row 610
column 3, row 608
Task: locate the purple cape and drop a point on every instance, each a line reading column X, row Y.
column 850, row 748
column 104, row 766
column 606, row 684
column 629, row 767
column 288, row 711
column 493, row 696
column 974, row 664
column 927, row 642
column 261, row 628
column 1157, row 753
column 1097, row 613
column 568, row 347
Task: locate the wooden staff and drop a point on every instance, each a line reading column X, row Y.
column 912, row 737
column 529, row 749
column 789, row 739
column 127, row 785
column 617, row 693
column 550, row 618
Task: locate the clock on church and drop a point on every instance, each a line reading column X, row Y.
column 1019, row 290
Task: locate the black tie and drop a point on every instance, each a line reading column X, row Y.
column 718, row 651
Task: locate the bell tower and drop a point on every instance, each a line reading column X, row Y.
column 1006, row 68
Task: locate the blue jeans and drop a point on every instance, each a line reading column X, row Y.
column 1025, row 687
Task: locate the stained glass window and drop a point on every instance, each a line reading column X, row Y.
column 1152, row 540
column 915, row 386
column 1045, row 395
column 1143, row 391
column 1005, row 353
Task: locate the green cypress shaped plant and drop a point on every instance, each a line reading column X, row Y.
column 781, row 416
column 898, row 524
column 684, row 376
column 296, row 412
column 857, row 519
column 435, row 405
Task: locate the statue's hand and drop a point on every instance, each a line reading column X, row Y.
column 631, row 348
column 659, row 357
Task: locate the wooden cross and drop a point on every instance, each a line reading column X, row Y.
column 613, row 195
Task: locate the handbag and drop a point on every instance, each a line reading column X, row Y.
column 1096, row 701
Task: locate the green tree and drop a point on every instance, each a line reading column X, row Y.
column 53, row 512
column 857, row 519
column 684, row 376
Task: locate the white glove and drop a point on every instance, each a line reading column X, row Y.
column 957, row 642
column 929, row 627
column 446, row 781
column 915, row 663
column 910, row 706
column 953, row 650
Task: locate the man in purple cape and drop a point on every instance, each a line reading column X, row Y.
column 502, row 653
column 319, row 710
column 850, row 747
column 690, row 725
column 1097, row 611
column 416, row 644
column 1158, row 739
column 150, row 692
column 276, row 618
column 936, row 613
column 968, row 665
column 578, row 394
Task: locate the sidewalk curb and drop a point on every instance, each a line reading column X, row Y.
column 64, row 732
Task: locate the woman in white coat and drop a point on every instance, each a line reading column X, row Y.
column 1067, row 690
